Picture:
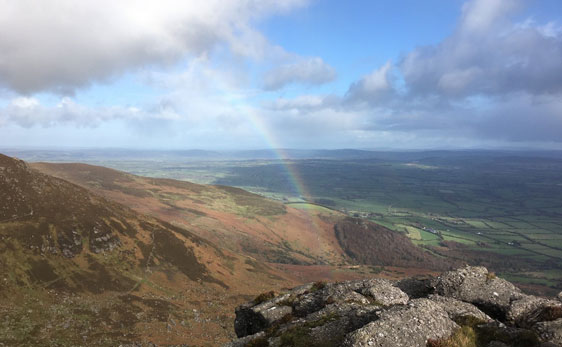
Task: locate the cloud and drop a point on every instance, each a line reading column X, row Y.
column 303, row 103
column 481, row 16
column 28, row 112
column 492, row 80
column 199, row 96
column 488, row 54
column 63, row 45
column 308, row 71
column 373, row 87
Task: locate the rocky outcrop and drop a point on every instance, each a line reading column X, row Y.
column 457, row 309
column 550, row 331
column 477, row 286
column 409, row 325
column 468, row 304
column 530, row 310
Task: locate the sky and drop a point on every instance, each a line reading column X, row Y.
column 248, row 74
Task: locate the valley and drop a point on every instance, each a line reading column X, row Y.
column 501, row 209
column 91, row 253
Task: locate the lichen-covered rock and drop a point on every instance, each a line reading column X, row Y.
column 103, row 239
column 509, row 335
column 70, row 242
column 384, row 293
column 327, row 327
column 372, row 291
column 377, row 312
column 474, row 284
column 550, row 331
column 308, row 303
column 246, row 340
column 497, row 344
column 337, row 323
column 253, row 317
column 457, row 309
column 530, row 309
column 416, row 287
column 409, row 325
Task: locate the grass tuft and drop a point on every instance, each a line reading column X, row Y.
column 263, row 297
column 317, row 286
column 474, row 332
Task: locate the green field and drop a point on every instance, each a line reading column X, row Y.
column 309, row 207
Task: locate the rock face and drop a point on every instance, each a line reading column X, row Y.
column 477, row 286
column 409, row 325
column 468, row 303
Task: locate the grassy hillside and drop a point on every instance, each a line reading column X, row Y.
column 229, row 217
column 76, row 268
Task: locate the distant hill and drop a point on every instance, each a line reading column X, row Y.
column 113, row 154
column 370, row 243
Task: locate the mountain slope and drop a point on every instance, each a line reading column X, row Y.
column 76, row 268
column 230, row 217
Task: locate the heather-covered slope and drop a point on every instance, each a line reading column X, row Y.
column 76, row 268
column 229, row 217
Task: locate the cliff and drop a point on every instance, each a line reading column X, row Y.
column 466, row 307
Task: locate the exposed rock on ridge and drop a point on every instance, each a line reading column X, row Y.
column 469, row 304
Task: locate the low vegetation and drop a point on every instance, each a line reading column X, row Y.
column 476, row 333
column 263, row 297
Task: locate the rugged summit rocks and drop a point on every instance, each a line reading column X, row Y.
column 405, row 325
column 477, row 286
column 468, row 305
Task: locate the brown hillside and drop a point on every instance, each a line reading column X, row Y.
column 78, row 269
column 229, row 217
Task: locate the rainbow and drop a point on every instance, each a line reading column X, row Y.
column 292, row 173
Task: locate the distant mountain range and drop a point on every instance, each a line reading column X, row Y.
column 89, row 155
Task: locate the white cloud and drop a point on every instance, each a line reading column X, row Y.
column 28, row 112
column 308, row 71
column 64, row 44
column 303, row 103
column 492, row 81
column 488, row 54
column 25, row 103
column 373, row 87
column 481, row 16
